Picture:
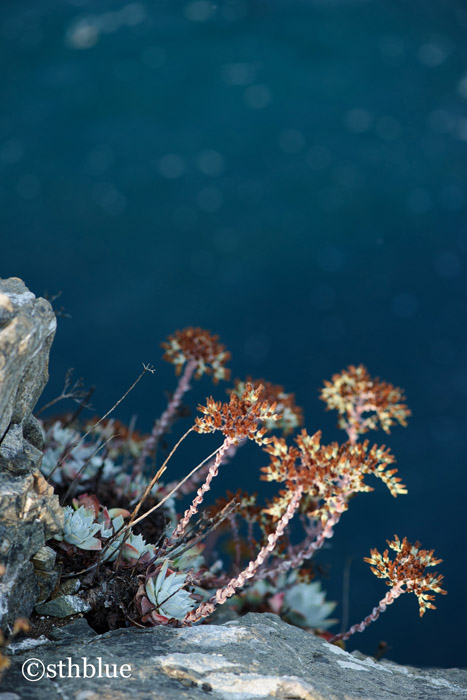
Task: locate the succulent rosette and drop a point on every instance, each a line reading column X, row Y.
column 79, row 529
column 162, row 596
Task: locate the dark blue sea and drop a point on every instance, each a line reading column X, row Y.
column 290, row 174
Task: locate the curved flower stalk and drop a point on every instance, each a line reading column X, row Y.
column 162, row 596
column 289, row 416
column 329, row 475
column 199, row 476
column 353, row 393
column 79, row 529
column 406, row 574
column 223, row 594
column 200, row 353
column 240, row 419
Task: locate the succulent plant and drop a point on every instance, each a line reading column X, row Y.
column 190, row 559
column 162, row 597
column 50, row 459
column 79, row 529
column 317, row 482
column 83, row 462
column 134, row 548
column 304, row 605
column 131, row 486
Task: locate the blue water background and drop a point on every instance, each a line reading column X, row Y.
column 289, row 174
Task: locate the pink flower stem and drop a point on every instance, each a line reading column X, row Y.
column 198, row 499
column 222, row 594
column 389, row 598
column 356, row 423
column 199, row 476
column 295, row 560
column 161, row 425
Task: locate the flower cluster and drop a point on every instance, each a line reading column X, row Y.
column 406, row 574
column 354, row 394
column 173, row 582
column 240, row 418
column 328, row 474
column 408, row 570
column 200, row 347
column 290, row 416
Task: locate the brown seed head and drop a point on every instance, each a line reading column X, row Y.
column 408, row 569
column 364, row 403
column 242, row 417
column 200, row 346
column 328, row 474
column 290, row 415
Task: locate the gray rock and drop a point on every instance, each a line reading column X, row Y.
column 69, row 586
column 255, row 657
column 27, row 329
column 29, row 510
column 29, row 515
column 77, row 630
column 44, row 559
column 47, row 581
column 63, row 606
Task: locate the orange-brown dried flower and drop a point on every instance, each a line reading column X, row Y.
column 242, row 417
column 200, row 346
column 290, row 415
column 327, row 473
column 364, row 403
column 408, row 569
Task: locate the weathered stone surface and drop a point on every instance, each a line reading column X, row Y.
column 29, row 515
column 255, row 657
column 27, row 329
column 47, row 581
column 69, row 586
column 63, row 606
column 29, row 510
column 44, row 559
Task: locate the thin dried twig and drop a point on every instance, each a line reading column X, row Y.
column 147, row 368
